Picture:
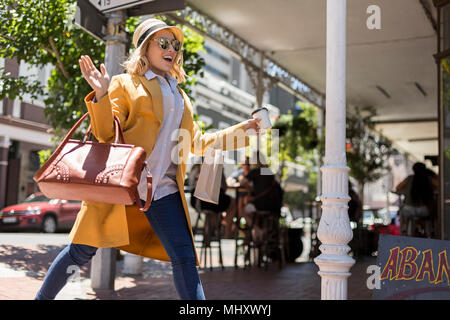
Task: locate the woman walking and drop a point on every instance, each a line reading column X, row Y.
column 151, row 107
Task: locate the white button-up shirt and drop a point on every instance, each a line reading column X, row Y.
column 160, row 163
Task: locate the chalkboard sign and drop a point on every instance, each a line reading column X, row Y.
column 412, row 269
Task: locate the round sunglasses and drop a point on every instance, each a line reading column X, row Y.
column 164, row 43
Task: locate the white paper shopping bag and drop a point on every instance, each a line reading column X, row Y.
column 210, row 177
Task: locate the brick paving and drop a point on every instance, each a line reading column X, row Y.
column 22, row 269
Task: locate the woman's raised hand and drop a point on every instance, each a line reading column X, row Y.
column 98, row 80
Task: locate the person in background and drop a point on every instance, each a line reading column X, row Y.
column 354, row 205
column 265, row 193
column 419, row 190
column 239, row 174
column 236, row 178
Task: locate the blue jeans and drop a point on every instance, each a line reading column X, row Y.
column 168, row 220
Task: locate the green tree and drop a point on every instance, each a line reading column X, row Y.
column 299, row 143
column 367, row 153
column 300, row 199
column 41, row 32
column 298, row 134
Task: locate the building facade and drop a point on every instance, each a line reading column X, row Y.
column 23, row 132
column 224, row 96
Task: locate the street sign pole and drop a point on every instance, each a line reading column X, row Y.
column 116, row 42
column 103, row 264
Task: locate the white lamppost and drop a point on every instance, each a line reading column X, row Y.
column 334, row 228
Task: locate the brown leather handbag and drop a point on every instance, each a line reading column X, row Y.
column 95, row 171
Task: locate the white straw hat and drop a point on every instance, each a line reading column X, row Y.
column 149, row 27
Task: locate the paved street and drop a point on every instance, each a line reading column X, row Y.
column 25, row 258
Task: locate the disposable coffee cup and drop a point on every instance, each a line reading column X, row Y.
column 263, row 114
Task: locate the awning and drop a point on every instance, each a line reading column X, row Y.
column 391, row 69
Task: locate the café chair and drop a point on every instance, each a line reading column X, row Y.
column 271, row 247
column 243, row 242
column 211, row 237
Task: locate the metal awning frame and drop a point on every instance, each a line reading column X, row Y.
column 254, row 59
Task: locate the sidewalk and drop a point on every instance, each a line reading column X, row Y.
column 22, row 269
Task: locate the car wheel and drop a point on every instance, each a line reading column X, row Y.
column 49, row 224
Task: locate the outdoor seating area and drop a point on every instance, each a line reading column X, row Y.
column 283, row 243
column 279, row 243
column 249, row 251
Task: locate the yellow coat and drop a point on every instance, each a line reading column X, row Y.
column 138, row 103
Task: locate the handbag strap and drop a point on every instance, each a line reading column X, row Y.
column 117, row 135
column 56, row 154
column 149, row 192
column 118, row 132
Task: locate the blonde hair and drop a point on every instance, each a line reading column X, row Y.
column 138, row 64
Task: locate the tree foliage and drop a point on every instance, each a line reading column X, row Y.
column 367, row 153
column 42, row 32
column 299, row 143
column 298, row 134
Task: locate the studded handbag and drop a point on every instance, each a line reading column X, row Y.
column 94, row 171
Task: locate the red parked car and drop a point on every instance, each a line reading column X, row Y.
column 40, row 212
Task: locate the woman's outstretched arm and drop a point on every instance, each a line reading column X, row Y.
column 230, row 138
